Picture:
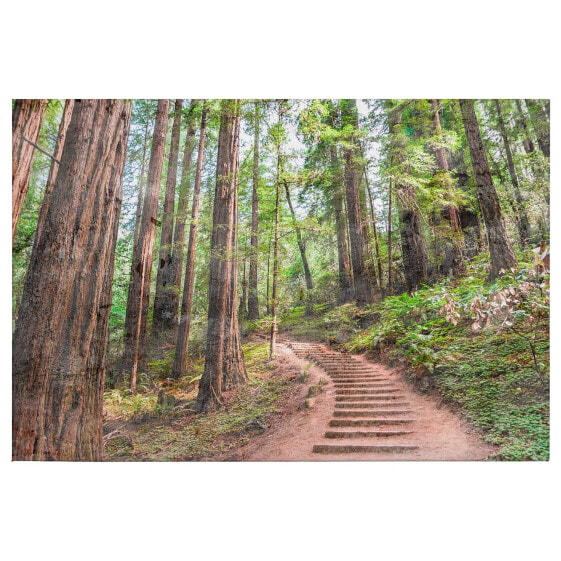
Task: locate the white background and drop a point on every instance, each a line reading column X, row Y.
column 249, row 49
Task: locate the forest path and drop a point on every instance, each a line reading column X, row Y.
column 366, row 411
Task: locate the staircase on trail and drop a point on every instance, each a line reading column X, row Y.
column 371, row 414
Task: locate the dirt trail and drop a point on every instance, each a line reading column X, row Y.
column 366, row 411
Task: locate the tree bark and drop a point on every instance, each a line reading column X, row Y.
column 138, row 215
column 521, row 216
column 184, row 328
column 139, row 288
column 502, row 256
column 53, row 171
column 176, row 265
column 453, row 243
column 415, row 262
column 362, row 284
column 27, row 116
column 390, row 263
column 521, row 121
column 224, row 365
column 273, row 340
column 253, row 297
column 164, row 319
column 61, row 333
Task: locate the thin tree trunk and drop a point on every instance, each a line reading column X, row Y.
column 57, row 155
column 164, row 318
column 224, row 365
column 253, row 298
column 374, row 229
column 521, row 120
column 184, row 329
column 268, row 276
column 273, row 341
column 502, row 256
column 139, row 288
column 27, row 116
column 302, row 249
column 390, row 264
column 242, row 311
column 362, row 285
column 454, row 243
column 61, row 333
column 521, row 216
column 139, row 199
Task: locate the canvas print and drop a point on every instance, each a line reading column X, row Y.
column 280, row 279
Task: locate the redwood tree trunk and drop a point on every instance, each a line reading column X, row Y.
column 502, row 256
column 521, row 216
column 61, row 137
column 138, row 216
column 184, row 328
column 454, row 243
column 362, row 284
column 224, row 365
column 253, row 297
column 345, row 280
column 27, row 116
column 176, row 265
column 390, row 263
column 61, row 333
column 165, row 315
column 415, row 262
column 139, row 288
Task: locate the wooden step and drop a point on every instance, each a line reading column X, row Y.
column 361, row 448
column 348, row 413
column 365, row 434
column 369, row 404
column 368, row 422
column 366, row 392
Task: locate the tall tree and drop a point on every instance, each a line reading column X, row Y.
column 176, row 265
column 362, row 284
column 184, row 328
column 165, row 315
column 274, row 296
column 139, row 288
column 454, row 242
column 253, row 296
column 502, row 256
column 27, row 115
column 521, row 215
column 138, row 216
column 521, row 121
column 415, row 261
column 390, row 262
column 57, row 384
column 224, row 364
column 53, row 170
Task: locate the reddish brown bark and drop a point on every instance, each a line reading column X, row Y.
column 165, row 314
column 253, row 297
column 415, row 262
column 454, row 263
column 27, row 115
column 60, row 333
column 57, row 154
column 224, row 365
column 390, row 263
column 139, row 288
column 140, row 197
column 502, row 256
column 176, row 265
column 361, row 279
column 184, row 328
